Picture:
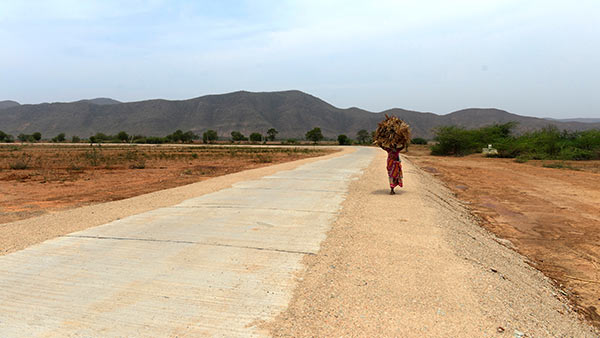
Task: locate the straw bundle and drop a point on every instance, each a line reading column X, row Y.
column 392, row 133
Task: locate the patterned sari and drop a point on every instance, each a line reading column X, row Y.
column 394, row 167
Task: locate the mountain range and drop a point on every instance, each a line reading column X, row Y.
column 292, row 113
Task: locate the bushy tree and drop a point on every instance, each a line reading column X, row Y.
column 75, row 139
column 59, row 138
column 256, row 137
column 343, row 140
column 418, row 140
column 237, row 136
column 123, row 136
column 37, row 136
column 314, row 135
column 209, row 136
column 363, row 137
column 271, row 133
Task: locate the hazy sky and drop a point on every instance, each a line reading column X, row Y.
column 538, row 58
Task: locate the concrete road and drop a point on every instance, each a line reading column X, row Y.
column 212, row 265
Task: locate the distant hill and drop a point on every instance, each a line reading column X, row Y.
column 8, row 104
column 102, row 101
column 582, row 120
column 292, row 113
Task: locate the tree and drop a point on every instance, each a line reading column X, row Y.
column 188, row 136
column 37, row 136
column 75, row 139
column 363, row 137
column 256, row 137
column 22, row 137
column 271, row 134
column 343, row 140
column 237, row 136
column 418, row 140
column 59, row 138
column 3, row 136
column 123, row 136
column 209, row 136
column 314, row 135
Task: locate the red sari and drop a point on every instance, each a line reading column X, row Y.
column 394, row 167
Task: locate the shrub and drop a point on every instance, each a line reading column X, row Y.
column 37, row 136
column 343, row 140
column 291, row 141
column 256, row 137
column 237, row 136
column 418, row 140
column 75, row 139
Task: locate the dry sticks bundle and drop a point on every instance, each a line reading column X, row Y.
column 392, row 133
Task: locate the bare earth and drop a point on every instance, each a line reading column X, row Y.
column 552, row 216
column 418, row 264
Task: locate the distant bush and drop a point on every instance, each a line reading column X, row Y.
column 59, row 138
column 418, row 140
column 256, row 137
column 343, row 140
column 209, row 136
column 236, row 136
column 291, row 141
column 75, row 139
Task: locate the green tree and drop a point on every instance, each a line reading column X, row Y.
column 22, row 137
column 59, row 138
column 237, row 136
column 418, row 140
column 37, row 136
column 3, row 136
column 363, row 137
column 209, row 136
column 75, row 139
column 123, row 136
column 256, row 137
column 188, row 137
column 271, row 133
column 314, row 135
column 343, row 140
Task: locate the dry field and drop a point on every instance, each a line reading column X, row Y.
column 549, row 210
column 36, row 179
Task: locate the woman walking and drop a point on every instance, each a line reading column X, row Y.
column 394, row 167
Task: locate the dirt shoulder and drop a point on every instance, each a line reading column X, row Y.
column 417, row 264
column 551, row 216
column 20, row 234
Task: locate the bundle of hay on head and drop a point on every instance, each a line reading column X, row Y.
column 392, row 133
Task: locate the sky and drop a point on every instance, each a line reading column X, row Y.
column 535, row 58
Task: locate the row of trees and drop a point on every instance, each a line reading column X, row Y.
column 314, row 135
